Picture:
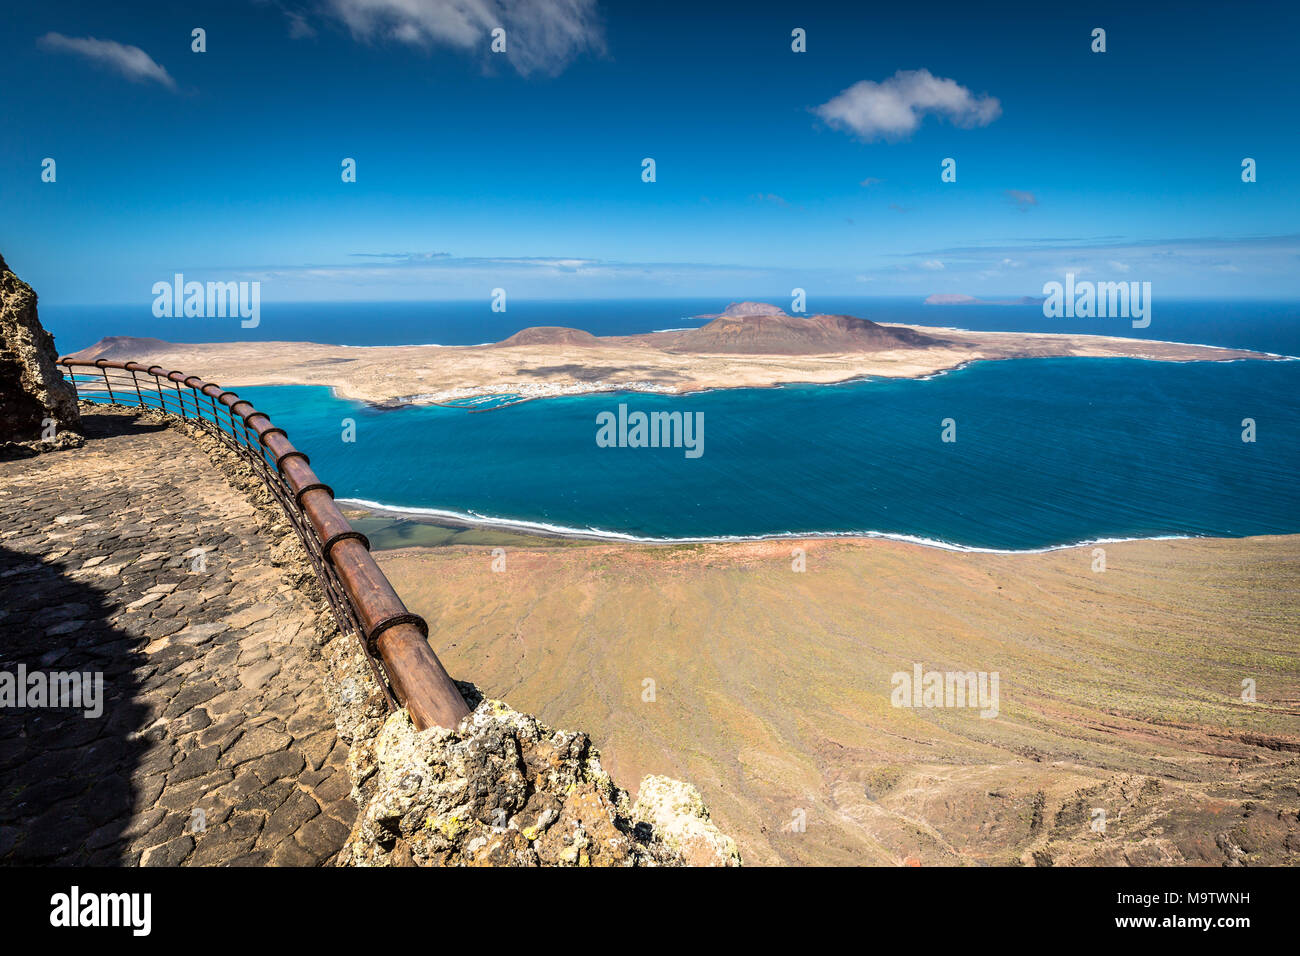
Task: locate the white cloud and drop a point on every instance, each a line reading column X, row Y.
column 894, row 108
column 1020, row 197
column 934, row 265
column 542, row 36
column 131, row 61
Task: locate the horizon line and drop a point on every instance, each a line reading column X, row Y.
column 486, row 300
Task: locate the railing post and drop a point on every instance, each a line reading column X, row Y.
column 137, row 388
column 162, row 401
column 108, row 384
column 72, row 378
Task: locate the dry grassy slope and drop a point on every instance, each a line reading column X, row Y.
column 1118, row 690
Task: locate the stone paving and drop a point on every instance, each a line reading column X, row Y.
column 135, row 558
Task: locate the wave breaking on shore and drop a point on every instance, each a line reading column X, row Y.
column 524, row 526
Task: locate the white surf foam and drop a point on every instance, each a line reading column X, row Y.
column 521, row 525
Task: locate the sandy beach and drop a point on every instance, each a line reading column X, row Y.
column 770, row 688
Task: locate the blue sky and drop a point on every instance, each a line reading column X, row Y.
column 522, row 170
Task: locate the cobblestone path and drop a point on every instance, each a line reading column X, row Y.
column 135, row 558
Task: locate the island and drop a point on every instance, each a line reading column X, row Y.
column 749, row 345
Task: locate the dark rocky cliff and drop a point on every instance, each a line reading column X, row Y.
column 38, row 407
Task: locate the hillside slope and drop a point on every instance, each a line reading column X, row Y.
column 771, row 690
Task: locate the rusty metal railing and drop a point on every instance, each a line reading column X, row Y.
column 362, row 600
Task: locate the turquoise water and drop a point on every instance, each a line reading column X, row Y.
column 1049, row 452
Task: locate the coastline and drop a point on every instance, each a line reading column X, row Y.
column 647, row 388
column 362, row 509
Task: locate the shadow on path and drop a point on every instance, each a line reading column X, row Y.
column 66, row 795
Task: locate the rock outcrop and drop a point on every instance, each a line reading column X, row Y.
column 502, row 789
column 38, row 407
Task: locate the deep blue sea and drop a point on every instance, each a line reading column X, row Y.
column 1048, row 452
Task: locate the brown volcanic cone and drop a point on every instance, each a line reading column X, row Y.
column 776, row 333
column 550, row 335
column 120, row 348
column 747, row 308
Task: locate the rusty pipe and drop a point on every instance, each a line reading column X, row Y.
column 399, row 637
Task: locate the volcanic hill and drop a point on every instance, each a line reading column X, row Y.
column 756, row 328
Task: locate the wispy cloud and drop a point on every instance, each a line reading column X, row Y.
column 871, row 181
column 299, row 28
column 401, row 256
column 894, row 108
column 542, row 36
column 1020, row 198
column 772, row 198
column 131, row 61
column 1285, row 243
column 1180, row 264
column 1257, row 266
column 480, row 266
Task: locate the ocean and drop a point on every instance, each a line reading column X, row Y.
column 1047, row 452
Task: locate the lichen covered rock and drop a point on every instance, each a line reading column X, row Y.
column 675, row 811
column 38, row 407
column 502, row 789
column 359, row 709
